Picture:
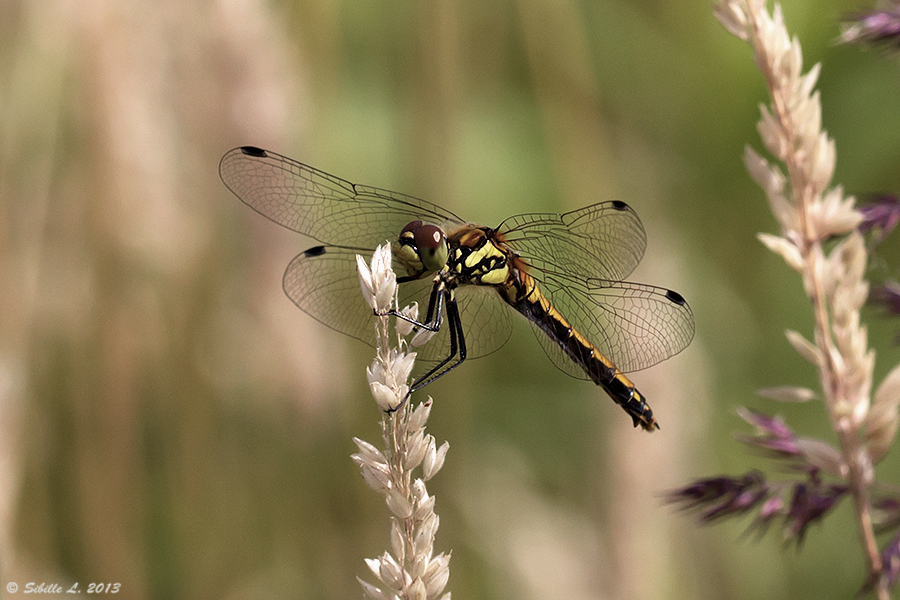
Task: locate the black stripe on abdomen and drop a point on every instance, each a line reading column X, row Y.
column 597, row 367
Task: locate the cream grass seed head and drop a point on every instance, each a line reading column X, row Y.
column 410, row 570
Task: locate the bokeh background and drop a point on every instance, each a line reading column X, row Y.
column 171, row 422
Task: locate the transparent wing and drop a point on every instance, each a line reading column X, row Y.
column 579, row 259
column 322, row 206
column 602, row 241
column 635, row 325
column 324, row 284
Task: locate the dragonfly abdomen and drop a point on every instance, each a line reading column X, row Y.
column 523, row 294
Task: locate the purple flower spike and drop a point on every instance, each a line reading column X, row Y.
column 881, row 216
column 890, row 562
column 722, row 496
column 875, row 27
column 771, row 508
column 885, row 513
column 772, row 425
column 809, row 503
column 890, row 568
column 772, row 434
column 887, row 296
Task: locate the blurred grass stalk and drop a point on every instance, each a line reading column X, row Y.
column 411, row 571
column 810, row 214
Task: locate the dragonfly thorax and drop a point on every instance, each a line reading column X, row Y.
column 475, row 258
column 421, row 248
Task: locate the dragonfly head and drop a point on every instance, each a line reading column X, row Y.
column 422, row 248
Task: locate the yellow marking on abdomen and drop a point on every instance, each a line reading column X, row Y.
column 599, row 368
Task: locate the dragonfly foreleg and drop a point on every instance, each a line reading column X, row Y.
column 457, row 344
column 440, row 296
column 433, row 315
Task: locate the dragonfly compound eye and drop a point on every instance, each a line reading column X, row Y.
column 432, row 246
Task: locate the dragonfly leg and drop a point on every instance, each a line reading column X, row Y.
column 457, row 346
column 435, row 310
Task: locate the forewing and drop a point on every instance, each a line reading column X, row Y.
column 324, row 284
column 324, row 207
column 601, row 241
column 634, row 325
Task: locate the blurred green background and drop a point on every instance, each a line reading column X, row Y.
column 170, row 421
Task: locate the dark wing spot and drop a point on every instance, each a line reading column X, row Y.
column 253, row 151
column 619, row 205
column 675, row 297
column 315, row 251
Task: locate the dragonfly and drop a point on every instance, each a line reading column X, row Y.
column 565, row 273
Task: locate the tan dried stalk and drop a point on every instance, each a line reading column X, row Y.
column 810, row 213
